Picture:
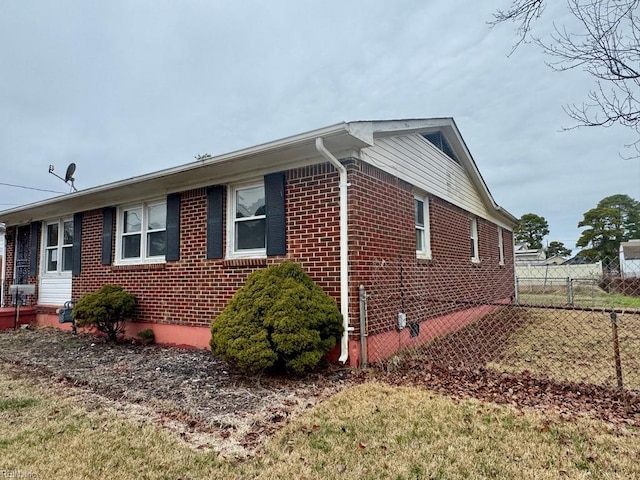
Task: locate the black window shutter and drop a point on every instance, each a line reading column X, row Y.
column 107, row 234
column 33, row 248
column 215, row 210
column 173, row 227
column 276, row 219
column 76, row 249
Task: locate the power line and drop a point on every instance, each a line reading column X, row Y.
column 30, row 188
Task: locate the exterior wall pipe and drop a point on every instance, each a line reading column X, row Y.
column 344, row 248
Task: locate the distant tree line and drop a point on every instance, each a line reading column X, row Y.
column 615, row 219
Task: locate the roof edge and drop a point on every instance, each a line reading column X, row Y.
column 361, row 135
column 409, row 126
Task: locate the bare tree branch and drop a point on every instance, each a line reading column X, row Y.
column 606, row 44
column 523, row 11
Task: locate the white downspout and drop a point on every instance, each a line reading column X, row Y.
column 344, row 249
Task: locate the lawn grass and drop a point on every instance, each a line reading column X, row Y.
column 583, row 297
column 616, row 300
column 576, row 346
column 47, row 435
column 368, row 431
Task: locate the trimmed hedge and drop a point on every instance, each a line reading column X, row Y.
column 280, row 319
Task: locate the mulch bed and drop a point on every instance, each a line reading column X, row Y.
column 189, row 391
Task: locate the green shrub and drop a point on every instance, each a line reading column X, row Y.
column 147, row 336
column 280, row 319
column 106, row 310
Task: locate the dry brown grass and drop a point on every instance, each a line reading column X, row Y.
column 575, row 346
column 375, row 431
column 49, row 433
column 369, row 431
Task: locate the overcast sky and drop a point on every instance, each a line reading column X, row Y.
column 123, row 88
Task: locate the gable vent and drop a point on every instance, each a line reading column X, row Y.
column 438, row 140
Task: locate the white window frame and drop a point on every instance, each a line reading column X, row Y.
column 500, row 246
column 424, row 230
column 144, row 231
column 232, row 251
column 59, row 248
column 473, row 236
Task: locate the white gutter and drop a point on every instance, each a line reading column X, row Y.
column 344, row 249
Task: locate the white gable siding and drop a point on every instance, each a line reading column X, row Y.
column 54, row 290
column 415, row 160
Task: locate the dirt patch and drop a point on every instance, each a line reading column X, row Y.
column 199, row 397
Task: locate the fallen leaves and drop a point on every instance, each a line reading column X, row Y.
column 621, row 407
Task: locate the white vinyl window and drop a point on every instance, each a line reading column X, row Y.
column 248, row 221
column 142, row 233
column 58, row 244
column 475, row 255
column 423, row 236
column 500, row 246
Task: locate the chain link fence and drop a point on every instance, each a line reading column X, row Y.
column 572, row 324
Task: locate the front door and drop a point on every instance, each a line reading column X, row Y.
column 21, row 272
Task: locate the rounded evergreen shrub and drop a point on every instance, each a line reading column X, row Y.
column 106, row 310
column 280, row 319
column 147, row 336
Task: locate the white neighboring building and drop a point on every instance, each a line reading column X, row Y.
column 630, row 259
column 527, row 256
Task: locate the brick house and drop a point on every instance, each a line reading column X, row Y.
column 336, row 200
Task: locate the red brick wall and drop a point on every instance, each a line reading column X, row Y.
column 383, row 257
column 194, row 290
column 313, row 224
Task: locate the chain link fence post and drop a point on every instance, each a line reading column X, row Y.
column 616, row 348
column 363, row 327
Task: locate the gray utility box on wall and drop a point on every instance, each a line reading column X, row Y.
column 20, row 291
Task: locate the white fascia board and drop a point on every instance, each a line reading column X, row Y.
column 402, row 127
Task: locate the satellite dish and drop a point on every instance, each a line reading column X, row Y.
column 70, row 171
column 68, row 177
